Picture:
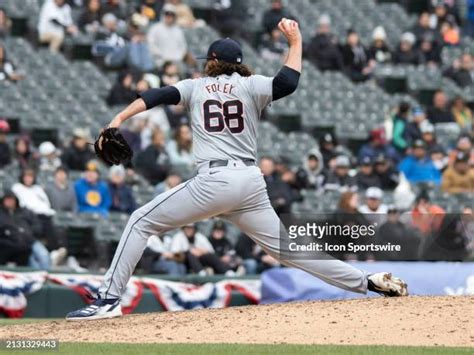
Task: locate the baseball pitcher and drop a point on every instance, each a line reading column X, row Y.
column 225, row 106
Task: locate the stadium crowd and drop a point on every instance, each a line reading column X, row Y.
column 147, row 47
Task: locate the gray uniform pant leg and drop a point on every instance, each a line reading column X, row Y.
column 264, row 227
column 165, row 212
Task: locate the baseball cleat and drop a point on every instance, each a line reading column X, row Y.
column 387, row 285
column 99, row 309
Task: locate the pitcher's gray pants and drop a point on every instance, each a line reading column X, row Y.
column 237, row 193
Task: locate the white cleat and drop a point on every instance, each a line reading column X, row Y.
column 99, row 309
column 387, row 285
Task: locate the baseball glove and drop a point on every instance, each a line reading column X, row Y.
column 112, row 148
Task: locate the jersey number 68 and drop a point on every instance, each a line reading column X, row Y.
column 228, row 114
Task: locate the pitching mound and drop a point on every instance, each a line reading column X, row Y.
column 447, row 321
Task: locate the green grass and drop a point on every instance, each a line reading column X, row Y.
column 216, row 349
column 7, row 321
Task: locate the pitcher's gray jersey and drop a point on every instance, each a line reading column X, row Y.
column 224, row 114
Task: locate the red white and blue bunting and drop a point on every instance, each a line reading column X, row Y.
column 172, row 296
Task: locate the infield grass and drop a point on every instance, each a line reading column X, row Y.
column 218, row 349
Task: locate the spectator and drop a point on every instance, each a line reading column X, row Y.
column 274, row 47
column 229, row 15
column 426, row 216
column 459, row 178
column 428, row 136
column 76, row 156
column 135, row 55
column 122, row 92
column 151, row 9
column 272, row 16
column 61, row 193
column 115, row 7
column 159, row 259
column 245, row 248
column 339, row 179
column 423, row 28
column 180, row 149
column 375, row 210
column 122, row 195
column 7, row 70
column 347, row 214
column 166, row 39
column 395, row 232
column 310, row 175
column 92, row 193
column 366, row 177
column 323, row 49
column 388, row 175
column 254, row 259
column 418, row 119
column 154, row 162
column 377, row 145
column 197, row 250
column 429, row 50
column 33, row 197
column 5, row 23
column 450, row 33
column 439, row 112
column 54, row 22
column 449, row 242
column 400, row 128
column 171, row 181
column 170, row 75
column 356, row 58
column 49, row 157
column 462, row 70
column 406, row 52
column 279, row 193
column 418, row 166
column 379, row 50
column 463, row 144
column 23, row 154
column 184, row 14
column 90, row 19
column 108, row 41
column 18, row 242
column 462, row 114
column 224, row 248
column 5, row 154
column 439, row 158
column 440, row 14
column 329, row 149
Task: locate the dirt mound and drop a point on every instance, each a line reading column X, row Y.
column 447, row 321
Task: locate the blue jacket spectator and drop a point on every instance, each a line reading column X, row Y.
column 377, row 146
column 93, row 195
column 122, row 195
column 418, row 167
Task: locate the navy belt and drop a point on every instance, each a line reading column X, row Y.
column 219, row 163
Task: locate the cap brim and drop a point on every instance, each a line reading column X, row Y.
column 202, row 57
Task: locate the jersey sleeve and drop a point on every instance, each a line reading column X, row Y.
column 261, row 89
column 185, row 88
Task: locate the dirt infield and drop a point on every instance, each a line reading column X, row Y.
column 447, row 321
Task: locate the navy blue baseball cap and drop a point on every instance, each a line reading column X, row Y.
column 225, row 49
